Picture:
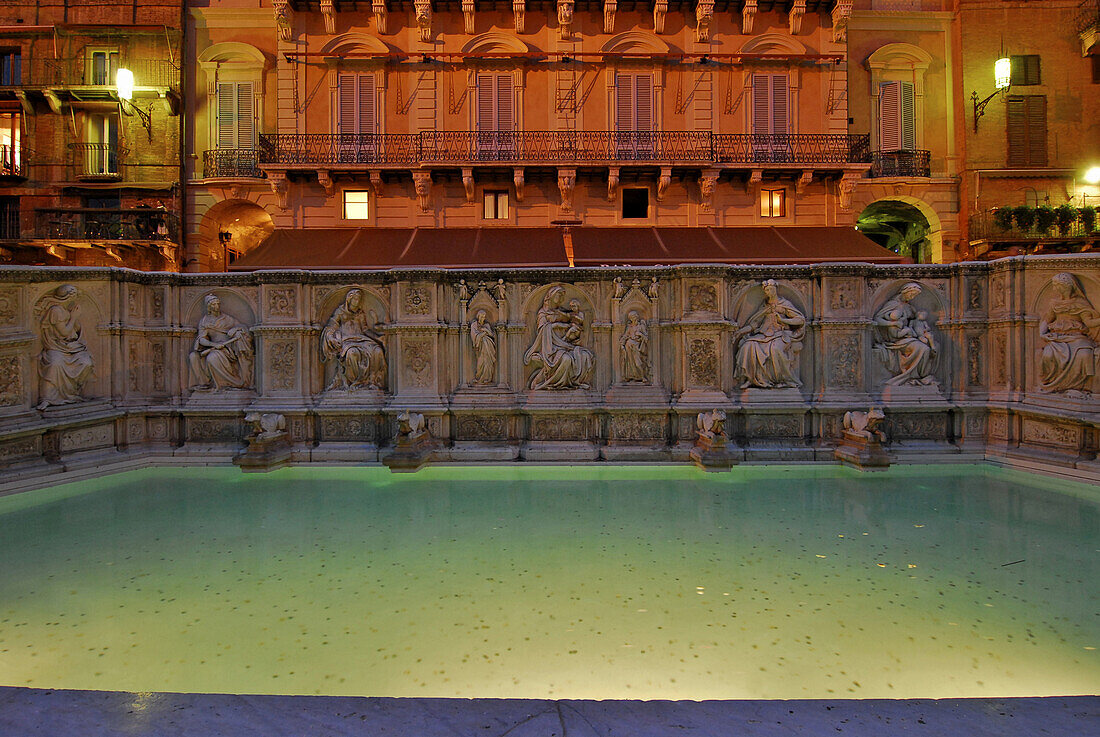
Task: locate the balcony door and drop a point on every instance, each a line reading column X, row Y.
column 236, row 116
column 634, row 136
column 356, row 117
column 897, row 117
column 101, row 65
column 496, row 119
column 10, row 151
column 771, row 120
column 101, row 145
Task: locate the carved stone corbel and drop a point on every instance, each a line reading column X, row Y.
column 841, row 12
column 804, row 181
column 325, row 180
column 376, row 182
column 565, row 19
column 280, row 187
column 379, row 8
column 468, row 16
column 518, row 8
column 748, row 15
column 660, row 9
column 328, row 11
column 708, row 183
column 754, row 180
column 282, row 18
column 845, row 187
column 468, row 184
column 794, row 17
column 704, row 14
column 663, row 181
column 613, row 184
column 567, row 180
column 422, row 182
column 609, row 8
column 517, row 179
column 423, row 10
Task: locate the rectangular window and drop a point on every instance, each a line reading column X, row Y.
column 101, row 145
column 10, row 151
column 1027, row 130
column 634, row 118
column 355, row 204
column 9, row 217
column 635, row 203
column 897, row 117
column 1025, row 70
column 11, row 68
column 496, row 205
column 101, row 66
column 770, row 117
column 496, row 118
column 356, row 120
column 773, row 203
column 236, row 115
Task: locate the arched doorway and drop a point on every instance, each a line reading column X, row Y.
column 903, row 228
column 229, row 230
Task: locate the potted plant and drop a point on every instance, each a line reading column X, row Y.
column 1088, row 219
column 1024, row 216
column 1002, row 218
column 1045, row 217
column 1065, row 217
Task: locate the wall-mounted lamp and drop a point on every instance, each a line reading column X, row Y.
column 1002, row 77
column 1092, row 175
column 124, row 87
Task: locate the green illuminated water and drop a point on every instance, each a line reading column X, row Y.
column 594, row 582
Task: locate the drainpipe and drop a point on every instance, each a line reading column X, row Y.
column 183, row 127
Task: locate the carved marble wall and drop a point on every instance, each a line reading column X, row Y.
column 614, row 363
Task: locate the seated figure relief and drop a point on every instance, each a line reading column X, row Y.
column 559, row 360
column 222, row 355
column 634, row 347
column 1070, row 329
column 352, row 342
column 64, row 365
column 904, row 341
column 768, row 344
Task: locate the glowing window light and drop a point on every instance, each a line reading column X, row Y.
column 124, row 83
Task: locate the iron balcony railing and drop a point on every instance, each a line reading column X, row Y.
column 901, row 163
column 1087, row 16
column 9, row 219
column 984, row 226
column 83, row 71
column 96, row 160
column 109, row 224
column 11, row 161
column 560, row 147
column 230, row 162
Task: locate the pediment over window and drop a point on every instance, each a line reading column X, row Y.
column 231, row 51
column 495, row 43
column 355, row 43
column 773, row 43
column 635, row 42
column 899, row 55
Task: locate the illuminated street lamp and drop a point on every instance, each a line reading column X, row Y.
column 124, row 87
column 1092, row 175
column 1002, row 79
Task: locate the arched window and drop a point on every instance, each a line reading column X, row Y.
column 897, row 97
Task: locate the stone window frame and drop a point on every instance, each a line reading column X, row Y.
column 898, row 62
column 772, row 43
column 229, row 62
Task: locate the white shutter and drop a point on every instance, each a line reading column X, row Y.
column 246, row 116
column 634, row 102
column 495, row 103
column 908, row 117
column 227, row 116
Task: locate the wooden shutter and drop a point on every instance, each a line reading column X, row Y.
column 1027, row 130
column 624, row 102
column 347, row 107
column 770, row 104
column 643, row 103
column 1026, row 70
column 227, row 115
column 908, row 116
column 246, row 116
column 634, row 103
column 897, row 116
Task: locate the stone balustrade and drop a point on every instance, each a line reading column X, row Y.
column 969, row 360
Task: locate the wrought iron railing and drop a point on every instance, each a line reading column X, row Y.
column 230, row 162
column 561, row 147
column 1087, row 16
column 11, row 161
column 984, row 226
column 901, row 163
column 96, row 160
column 80, row 71
column 9, row 218
column 110, row 224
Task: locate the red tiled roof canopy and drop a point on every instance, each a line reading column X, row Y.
column 380, row 248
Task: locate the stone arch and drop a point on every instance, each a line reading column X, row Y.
column 482, row 301
column 372, row 300
column 638, row 42
column 495, row 42
column 355, row 42
column 233, row 303
column 231, row 51
column 246, row 223
column 773, row 43
column 934, row 235
column 1088, row 285
column 898, row 55
column 747, row 299
column 929, row 297
column 534, row 300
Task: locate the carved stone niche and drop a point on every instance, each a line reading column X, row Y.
column 1068, row 337
column 70, row 352
column 220, row 357
column 558, row 352
column 483, row 347
column 909, row 352
column 768, row 356
column 701, row 297
column 353, row 346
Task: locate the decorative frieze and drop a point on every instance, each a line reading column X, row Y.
column 639, row 427
column 282, row 360
column 11, row 381
column 219, row 429
column 482, row 427
column 14, row 450
column 87, row 438
column 559, row 427
column 702, row 361
column 9, row 306
column 344, row 428
column 1046, row 433
column 282, row 302
column 844, row 361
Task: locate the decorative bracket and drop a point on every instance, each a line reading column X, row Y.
column 804, row 181
column 708, row 183
column 663, row 181
column 468, row 16
column 325, row 180
column 754, row 180
column 565, row 19
column 468, row 184
column 423, row 10
column 422, row 182
column 748, row 14
column 376, row 182
column 841, row 12
column 567, row 180
column 794, row 17
column 379, row 8
column 328, row 10
column 845, row 187
column 660, row 8
column 612, row 184
column 517, row 179
column 518, row 8
column 704, row 14
column 279, row 187
column 282, row 18
column 609, row 8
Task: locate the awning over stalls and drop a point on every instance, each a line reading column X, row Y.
column 380, row 248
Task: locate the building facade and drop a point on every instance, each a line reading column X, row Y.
column 88, row 177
